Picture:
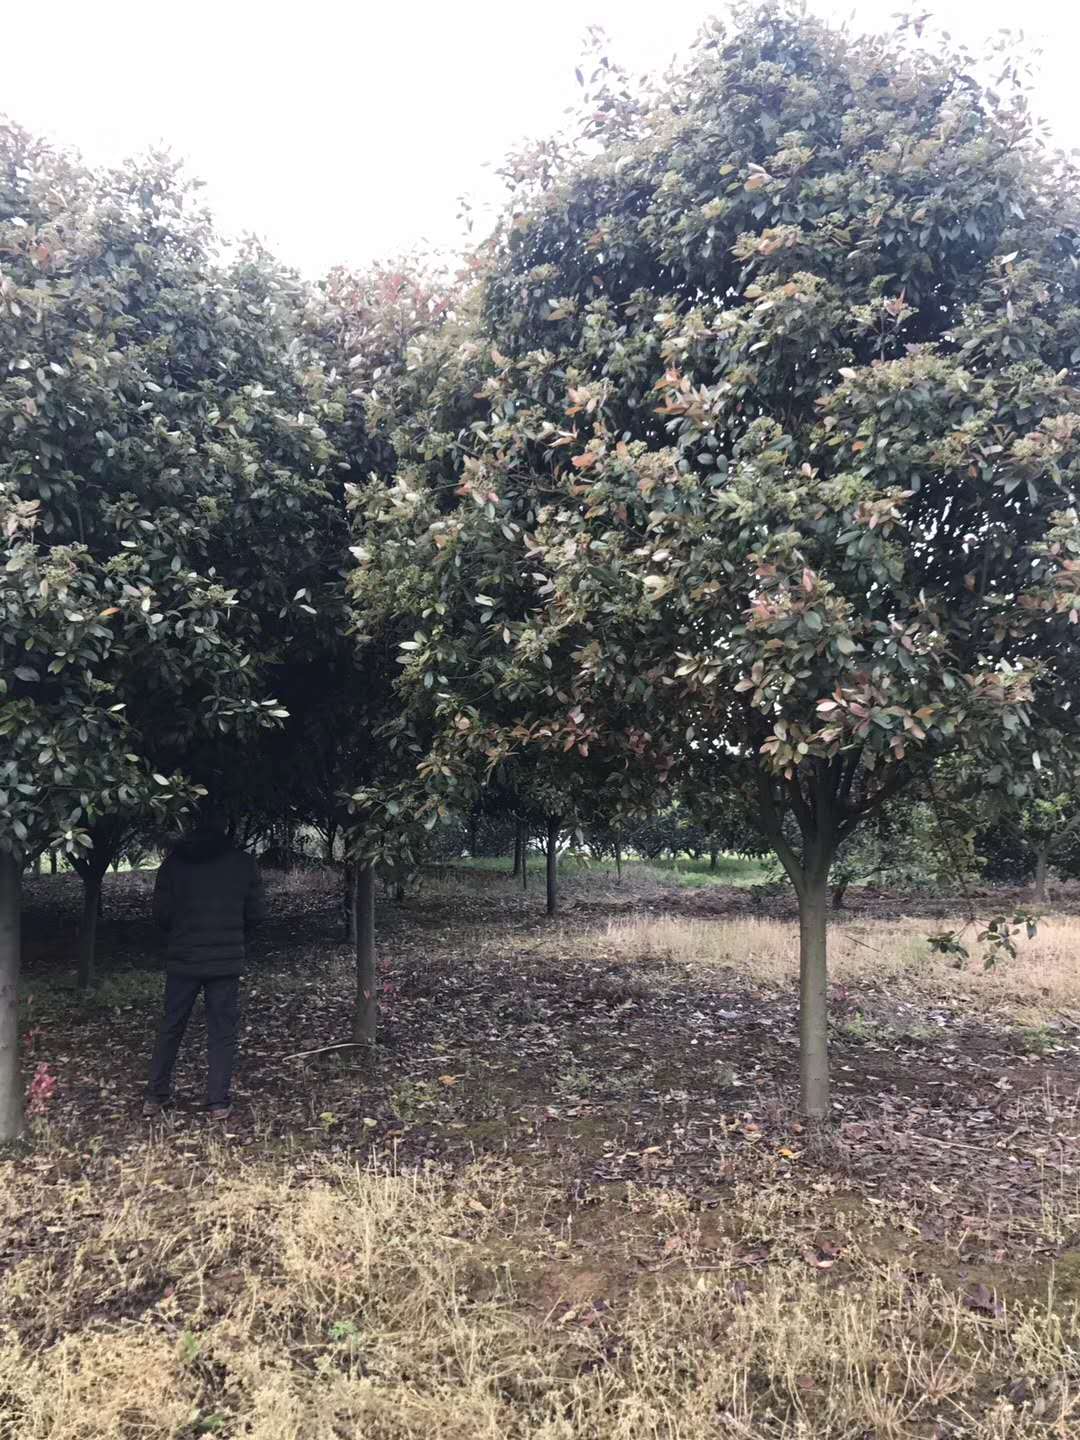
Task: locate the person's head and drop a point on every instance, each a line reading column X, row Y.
column 211, row 820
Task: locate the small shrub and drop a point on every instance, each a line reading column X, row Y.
column 573, row 1083
column 40, row 1091
column 412, row 1098
column 1036, row 1040
column 858, row 1027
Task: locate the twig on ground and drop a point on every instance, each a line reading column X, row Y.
column 325, row 1049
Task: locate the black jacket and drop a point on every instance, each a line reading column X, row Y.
column 207, row 897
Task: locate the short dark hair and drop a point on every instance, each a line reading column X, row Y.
column 212, row 818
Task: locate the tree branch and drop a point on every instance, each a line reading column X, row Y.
column 803, row 813
column 772, row 825
column 850, row 770
column 901, row 777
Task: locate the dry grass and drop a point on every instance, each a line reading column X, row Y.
column 186, row 1287
column 241, row 1300
column 1042, row 982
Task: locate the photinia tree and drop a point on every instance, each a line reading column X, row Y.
column 162, row 409
column 781, row 452
column 64, row 745
column 1026, row 834
column 485, row 688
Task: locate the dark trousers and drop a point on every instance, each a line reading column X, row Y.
column 222, row 994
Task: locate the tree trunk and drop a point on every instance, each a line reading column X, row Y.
column 88, row 927
column 1042, row 864
column 108, row 836
column 53, row 864
column 11, row 1105
column 813, row 995
column 714, row 860
column 519, row 842
column 618, row 860
column 348, row 872
column 474, row 836
column 330, row 839
column 839, row 891
column 366, row 1012
column 524, row 858
column 553, row 865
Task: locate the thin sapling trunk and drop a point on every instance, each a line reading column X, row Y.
column 348, row 900
column 365, row 1015
column 88, row 929
column 553, row 865
column 11, row 1101
column 813, row 995
column 1042, row 866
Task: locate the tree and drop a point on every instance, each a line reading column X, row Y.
column 160, row 408
column 1029, row 832
column 65, row 750
column 484, row 691
column 782, row 439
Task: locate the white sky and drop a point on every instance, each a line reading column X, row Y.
column 346, row 132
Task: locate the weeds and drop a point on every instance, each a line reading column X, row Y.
column 181, row 1287
column 858, row 1027
column 573, row 1083
column 412, row 1100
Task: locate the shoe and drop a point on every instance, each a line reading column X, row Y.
column 154, row 1109
column 219, row 1112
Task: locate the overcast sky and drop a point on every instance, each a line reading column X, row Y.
column 346, row 132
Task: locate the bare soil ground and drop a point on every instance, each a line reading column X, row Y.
column 573, row 1195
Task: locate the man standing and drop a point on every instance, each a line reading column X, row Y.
column 207, row 898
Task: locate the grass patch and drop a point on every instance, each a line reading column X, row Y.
column 730, row 870
column 492, row 864
column 684, row 872
column 49, row 998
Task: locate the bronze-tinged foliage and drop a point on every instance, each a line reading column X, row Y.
column 778, row 458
